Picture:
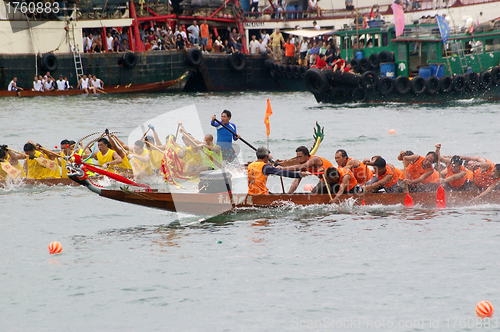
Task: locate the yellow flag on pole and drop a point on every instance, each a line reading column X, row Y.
column 269, row 111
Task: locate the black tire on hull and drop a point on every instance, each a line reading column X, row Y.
column 369, row 80
column 486, row 79
column 237, row 61
column 432, row 85
column 193, row 57
column 359, row 94
column 385, row 56
column 49, row 62
column 472, row 81
column 385, row 85
column 316, row 81
column 459, row 83
column 495, row 75
column 355, row 65
column 364, row 64
column 418, row 85
column 374, row 61
column 402, row 84
column 445, row 84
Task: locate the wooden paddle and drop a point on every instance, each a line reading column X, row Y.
column 9, row 169
column 440, row 196
column 47, row 163
column 408, row 200
column 327, row 187
column 366, row 175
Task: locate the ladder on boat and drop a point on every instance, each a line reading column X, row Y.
column 76, row 53
column 458, row 47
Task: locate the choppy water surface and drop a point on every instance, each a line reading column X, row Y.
column 317, row 268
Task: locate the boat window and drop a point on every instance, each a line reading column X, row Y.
column 385, row 39
column 432, row 52
column 492, row 45
column 401, row 52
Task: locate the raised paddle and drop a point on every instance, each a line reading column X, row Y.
column 408, row 200
column 366, row 175
column 440, row 196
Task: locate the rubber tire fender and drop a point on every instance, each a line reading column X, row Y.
column 237, row 61
column 495, row 75
column 459, row 83
column 486, row 79
column 49, row 62
column 385, row 56
column 129, row 60
column 445, row 84
column 289, row 72
column 432, row 85
column 282, row 70
column 194, row 57
column 303, row 70
column 355, row 65
column 359, row 95
column 374, row 60
column 364, row 64
column 296, row 72
column 385, row 85
column 369, row 80
column 418, row 85
column 472, row 80
column 402, row 84
column 316, row 81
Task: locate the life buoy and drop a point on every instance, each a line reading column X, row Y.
column 237, row 61
column 355, row 65
column 49, row 62
column 432, row 85
column 458, row 83
column 303, row 72
column 486, row 79
column 445, row 84
column 359, row 94
column 194, row 57
column 289, row 72
column 385, row 56
column 129, row 60
column 364, row 64
column 418, row 85
column 472, row 81
column 385, row 85
column 296, row 72
column 316, row 81
column 369, row 80
column 374, row 61
column 402, row 84
column 495, row 75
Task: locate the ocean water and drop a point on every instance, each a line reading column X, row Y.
column 317, row 268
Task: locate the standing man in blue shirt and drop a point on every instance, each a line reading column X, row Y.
column 224, row 136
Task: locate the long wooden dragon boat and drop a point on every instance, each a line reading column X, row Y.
column 46, row 182
column 215, row 203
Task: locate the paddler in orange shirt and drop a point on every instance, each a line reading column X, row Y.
column 495, row 177
column 389, row 178
column 421, row 175
column 340, row 181
column 482, row 168
column 311, row 164
column 456, row 176
column 259, row 170
column 355, row 166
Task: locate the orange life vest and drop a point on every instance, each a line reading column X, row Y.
column 458, row 182
column 483, row 179
column 257, row 181
column 415, row 170
column 352, row 182
column 315, row 169
column 396, row 175
column 359, row 173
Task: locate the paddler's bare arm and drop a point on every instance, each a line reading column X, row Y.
column 353, row 163
column 492, row 187
column 379, row 183
column 116, row 159
column 421, row 177
column 144, row 159
column 116, row 148
column 343, row 184
column 313, row 162
column 294, row 186
column 443, row 159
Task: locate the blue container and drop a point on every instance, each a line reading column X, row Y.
column 359, row 55
column 437, row 69
column 291, row 8
column 388, row 69
column 245, row 4
column 375, row 23
column 425, row 72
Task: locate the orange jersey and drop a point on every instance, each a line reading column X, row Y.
column 458, row 182
column 289, row 49
column 359, row 173
column 204, row 30
column 396, row 175
column 415, row 170
column 352, row 182
column 483, row 179
column 324, row 166
column 257, row 181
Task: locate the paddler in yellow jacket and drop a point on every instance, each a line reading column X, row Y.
column 140, row 160
column 8, row 165
column 32, row 167
column 105, row 156
column 259, row 170
column 125, row 166
column 13, row 159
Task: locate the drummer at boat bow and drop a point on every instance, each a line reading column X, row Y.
column 225, row 137
column 259, row 170
column 361, row 172
column 312, row 164
column 420, row 173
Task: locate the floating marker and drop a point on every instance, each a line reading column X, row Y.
column 308, row 187
column 219, row 241
column 202, row 220
column 392, row 132
column 55, row 247
column 484, row 309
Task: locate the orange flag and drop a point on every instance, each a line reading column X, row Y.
column 269, row 111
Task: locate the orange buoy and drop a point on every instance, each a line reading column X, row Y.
column 392, row 132
column 308, row 187
column 484, row 309
column 55, row 247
